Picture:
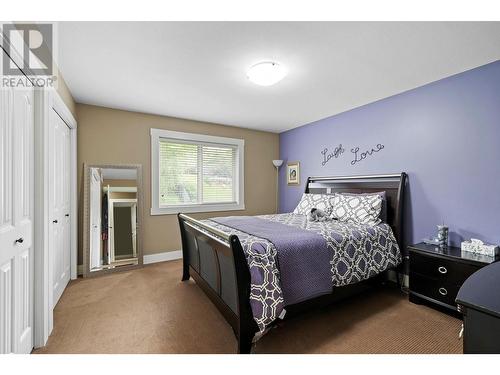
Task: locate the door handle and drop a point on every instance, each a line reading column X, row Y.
column 19, row 240
column 67, row 215
column 55, row 221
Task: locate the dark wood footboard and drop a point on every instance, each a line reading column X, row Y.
column 218, row 265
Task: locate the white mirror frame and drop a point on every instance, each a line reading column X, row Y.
column 86, row 219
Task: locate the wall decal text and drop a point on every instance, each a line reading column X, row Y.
column 359, row 156
column 327, row 156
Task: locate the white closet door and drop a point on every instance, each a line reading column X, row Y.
column 66, row 208
column 16, row 220
column 59, row 204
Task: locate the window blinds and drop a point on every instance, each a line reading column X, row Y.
column 196, row 173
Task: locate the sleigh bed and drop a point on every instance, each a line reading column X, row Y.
column 247, row 286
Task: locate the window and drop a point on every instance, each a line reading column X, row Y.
column 195, row 173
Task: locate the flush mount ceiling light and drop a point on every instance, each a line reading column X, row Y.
column 266, row 73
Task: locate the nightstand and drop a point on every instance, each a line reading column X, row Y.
column 437, row 274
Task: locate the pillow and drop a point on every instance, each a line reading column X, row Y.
column 308, row 201
column 383, row 211
column 357, row 209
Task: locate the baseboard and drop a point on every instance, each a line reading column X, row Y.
column 406, row 281
column 151, row 258
column 162, row 257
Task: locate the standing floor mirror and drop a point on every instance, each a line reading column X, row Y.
column 112, row 235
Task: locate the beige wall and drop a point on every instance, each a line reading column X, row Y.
column 113, row 136
column 65, row 94
column 121, row 195
column 116, row 182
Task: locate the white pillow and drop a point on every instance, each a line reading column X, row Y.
column 357, row 209
column 308, row 201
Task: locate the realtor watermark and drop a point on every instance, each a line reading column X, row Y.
column 28, row 57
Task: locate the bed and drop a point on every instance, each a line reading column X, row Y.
column 235, row 262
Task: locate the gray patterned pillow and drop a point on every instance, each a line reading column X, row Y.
column 357, row 209
column 383, row 211
column 308, row 201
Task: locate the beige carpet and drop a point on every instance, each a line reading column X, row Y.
column 150, row 310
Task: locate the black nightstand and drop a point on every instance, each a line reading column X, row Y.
column 437, row 274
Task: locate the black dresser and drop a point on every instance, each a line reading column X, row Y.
column 436, row 274
column 479, row 301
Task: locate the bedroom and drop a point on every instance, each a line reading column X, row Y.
column 295, row 187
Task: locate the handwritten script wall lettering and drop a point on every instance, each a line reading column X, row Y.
column 327, row 156
column 359, row 156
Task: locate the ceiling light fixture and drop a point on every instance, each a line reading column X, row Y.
column 266, row 73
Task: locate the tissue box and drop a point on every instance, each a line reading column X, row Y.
column 479, row 247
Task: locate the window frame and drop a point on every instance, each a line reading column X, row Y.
column 158, row 209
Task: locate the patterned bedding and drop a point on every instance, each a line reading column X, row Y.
column 357, row 252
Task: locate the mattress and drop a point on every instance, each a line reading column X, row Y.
column 292, row 259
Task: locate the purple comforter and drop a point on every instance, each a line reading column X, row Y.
column 303, row 256
column 355, row 253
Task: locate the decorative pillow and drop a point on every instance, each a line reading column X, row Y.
column 308, row 201
column 357, row 209
column 383, row 211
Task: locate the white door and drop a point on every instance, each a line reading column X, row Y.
column 95, row 219
column 134, row 228
column 59, row 204
column 16, row 220
column 111, row 231
column 132, row 204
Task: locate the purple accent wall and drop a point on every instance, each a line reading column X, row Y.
column 445, row 135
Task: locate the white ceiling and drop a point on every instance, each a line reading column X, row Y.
column 197, row 70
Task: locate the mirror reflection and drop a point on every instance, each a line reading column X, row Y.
column 113, row 218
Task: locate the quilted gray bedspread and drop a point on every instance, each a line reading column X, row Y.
column 354, row 253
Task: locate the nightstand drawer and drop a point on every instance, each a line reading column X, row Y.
column 445, row 270
column 438, row 290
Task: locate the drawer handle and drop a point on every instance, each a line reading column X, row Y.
column 443, row 291
column 442, row 270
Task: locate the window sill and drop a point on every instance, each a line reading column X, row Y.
column 197, row 208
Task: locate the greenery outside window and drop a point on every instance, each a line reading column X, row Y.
column 195, row 172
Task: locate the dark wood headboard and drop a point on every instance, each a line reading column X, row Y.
column 392, row 184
